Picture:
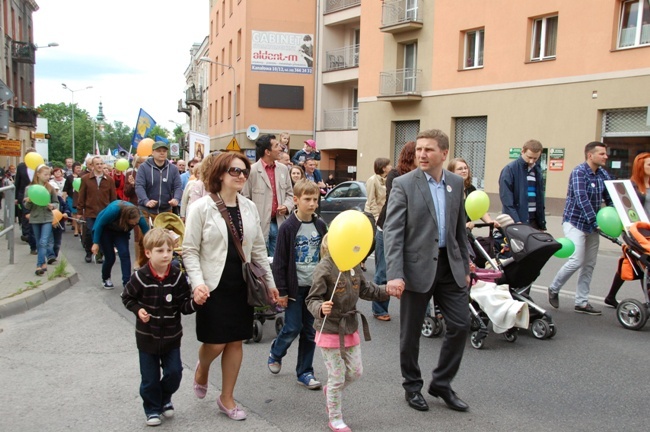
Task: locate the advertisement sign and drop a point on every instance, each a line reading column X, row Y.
column 282, row 52
column 10, row 148
column 556, row 159
column 199, row 145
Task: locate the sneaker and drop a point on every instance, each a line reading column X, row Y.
column 108, row 284
column 309, row 381
column 168, row 410
column 51, row 260
column 89, row 257
column 553, row 299
column 611, row 302
column 274, row 365
column 153, row 420
column 99, row 259
column 24, row 238
column 33, row 252
column 587, row 309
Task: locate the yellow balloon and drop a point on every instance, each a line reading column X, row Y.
column 57, row 216
column 33, row 160
column 349, row 239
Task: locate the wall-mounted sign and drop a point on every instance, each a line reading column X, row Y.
column 10, row 148
column 556, row 159
column 514, row 152
column 282, row 52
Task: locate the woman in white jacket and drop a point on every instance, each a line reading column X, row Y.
column 215, row 271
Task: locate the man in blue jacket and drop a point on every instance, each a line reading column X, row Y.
column 158, row 183
column 521, row 187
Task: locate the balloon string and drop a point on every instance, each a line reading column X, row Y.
column 325, row 319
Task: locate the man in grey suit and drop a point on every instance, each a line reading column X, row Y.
column 426, row 255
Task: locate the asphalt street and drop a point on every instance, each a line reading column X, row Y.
column 71, row 364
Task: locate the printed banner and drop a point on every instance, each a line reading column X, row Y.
column 199, row 145
column 144, row 125
column 282, row 52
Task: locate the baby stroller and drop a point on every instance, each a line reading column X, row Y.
column 634, row 264
column 530, row 249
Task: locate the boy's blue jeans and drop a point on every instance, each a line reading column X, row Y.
column 119, row 240
column 156, row 392
column 297, row 321
column 380, row 307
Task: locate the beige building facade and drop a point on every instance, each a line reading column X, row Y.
column 495, row 74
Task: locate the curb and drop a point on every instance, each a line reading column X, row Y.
column 32, row 298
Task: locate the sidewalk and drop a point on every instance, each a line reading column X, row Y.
column 20, row 288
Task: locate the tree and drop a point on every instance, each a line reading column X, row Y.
column 59, row 118
column 114, row 134
column 159, row 131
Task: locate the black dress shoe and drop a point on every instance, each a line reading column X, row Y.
column 416, row 401
column 89, row 258
column 450, row 397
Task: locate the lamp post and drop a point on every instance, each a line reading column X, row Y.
column 72, row 104
column 234, row 91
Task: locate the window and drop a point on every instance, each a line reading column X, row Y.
column 238, row 99
column 223, row 13
column 221, row 109
column 210, row 115
column 239, row 44
column 410, row 67
column 230, row 52
column 634, row 29
column 474, row 42
column 229, row 104
column 470, row 144
column 231, row 8
column 223, row 58
column 544, row 38
column 216, row 25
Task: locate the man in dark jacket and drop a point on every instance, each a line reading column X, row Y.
column 158, row 183
column 23, row 178
column 521, row 187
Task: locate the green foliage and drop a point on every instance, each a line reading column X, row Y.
column 158, row 130
column 60, row 270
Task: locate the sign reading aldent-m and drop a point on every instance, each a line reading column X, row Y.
column 282, row 52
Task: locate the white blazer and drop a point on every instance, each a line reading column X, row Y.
column 205, row 243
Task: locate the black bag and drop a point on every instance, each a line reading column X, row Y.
column 256, row 287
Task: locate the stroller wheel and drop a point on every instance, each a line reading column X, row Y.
column 279, row 323
column 511, row 335
column 438, row 326
column 540, row 329
column 477, row 340
column 553, row 329
column 428, row 326
column 632, row 314
column 258, row 331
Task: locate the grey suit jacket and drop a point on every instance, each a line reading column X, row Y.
column 411, row 231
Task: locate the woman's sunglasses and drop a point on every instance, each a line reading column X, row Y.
column 236, row 172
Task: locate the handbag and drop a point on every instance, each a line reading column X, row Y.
column 257, row 289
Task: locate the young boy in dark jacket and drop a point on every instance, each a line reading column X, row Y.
column 296, row 255
column 157, row 294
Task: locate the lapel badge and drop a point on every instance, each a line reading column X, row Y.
column 449, row 188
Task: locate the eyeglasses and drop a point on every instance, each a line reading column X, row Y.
column 236, row 172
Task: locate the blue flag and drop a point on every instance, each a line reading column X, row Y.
column 143, row 127
column 159, row 138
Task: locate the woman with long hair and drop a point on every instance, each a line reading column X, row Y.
column 405, row 163
column 41, row 217
column 215, row 271
column 112, row 230
column 199, row 188
column 461, row 167
column 641, row 181
column 296, row 173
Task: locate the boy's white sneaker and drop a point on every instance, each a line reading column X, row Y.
column 168, row 410
column 153, row 420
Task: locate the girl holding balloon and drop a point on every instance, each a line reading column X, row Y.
column 41, row 199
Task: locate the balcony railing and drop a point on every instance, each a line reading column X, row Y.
column 401, row 13
column 342, row 58
column 400, row 82
column 336, row 5
column 23, row 52
column 183, row 108
column 194, row 96
column 25, row 116
column 340, row 119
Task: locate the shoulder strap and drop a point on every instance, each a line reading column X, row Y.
column 224, row 213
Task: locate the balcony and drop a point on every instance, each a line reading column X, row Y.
column 341, row 119
column 337, row 5
column 23, row 52
column 182, row 108
column 194, row 97
column 400, row 85
column 342, row 58
column 399, row 16
column 25, row 116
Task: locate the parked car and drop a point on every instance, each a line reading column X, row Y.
column 349, row 195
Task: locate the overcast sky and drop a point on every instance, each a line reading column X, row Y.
column 132, row 52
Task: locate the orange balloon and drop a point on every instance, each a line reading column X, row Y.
column 57, row 216
column 145, row 147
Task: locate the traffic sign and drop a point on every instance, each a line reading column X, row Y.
column 233, row 145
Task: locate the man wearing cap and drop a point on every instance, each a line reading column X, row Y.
column 308, row 152
column 158, row 183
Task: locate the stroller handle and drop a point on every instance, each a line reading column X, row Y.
column 615, row 240
column 483, row 225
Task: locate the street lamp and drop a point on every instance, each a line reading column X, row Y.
column 73, row 92
column 234, row 91
column 50, row 45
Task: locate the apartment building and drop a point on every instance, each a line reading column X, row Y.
column 492, row 75
column 262, row 71
column 17, row 58
column 196, row 89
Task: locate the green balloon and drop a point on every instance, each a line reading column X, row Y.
column 76, row 184
column 567, row 248
column 477, row 204
column 38, row 195
column 122, row 164
column 609, row 222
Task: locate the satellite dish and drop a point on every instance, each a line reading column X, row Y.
column 185, row 128
column 252, row 132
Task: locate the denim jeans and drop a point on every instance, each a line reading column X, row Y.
column 297, row 321
column 273, row 237
column 380, row 308
column 156, row 392
column 583, row 259
column 44, row 242
column 57, row 235
column 108, row 242
column 88, row 234
column 27, row 229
